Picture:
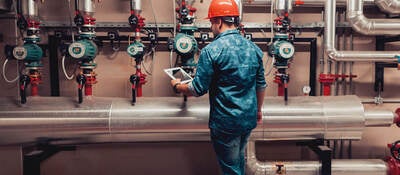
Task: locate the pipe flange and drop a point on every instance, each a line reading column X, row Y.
column 396, row 119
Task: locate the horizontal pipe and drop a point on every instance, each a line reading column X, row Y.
column 366, row 26
column 161, row 119
column 308, row 3
column 334, row 54
column 339, row 166
column 389, row 6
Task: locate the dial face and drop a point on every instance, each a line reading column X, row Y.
column 134, row 49
column 286, row 50
column 76, row 50
column 20, row 53
column 306, row 89
column 184, row 45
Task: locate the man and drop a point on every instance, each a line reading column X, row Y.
column 231, row 69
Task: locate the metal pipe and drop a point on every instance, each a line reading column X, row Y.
column 29, row 8
column 330, row 50
column 339, row 167
column 283, row 6
column 161, row 119
column 389, row 6
column 87, row 6
column 136, row 5
column 308, row 3
column 362, row 24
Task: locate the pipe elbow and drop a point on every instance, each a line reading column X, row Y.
column 360, row 23
column 389, row 6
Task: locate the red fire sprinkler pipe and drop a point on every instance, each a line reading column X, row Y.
column 35, row 80
column 281, row 86
column 327, row 80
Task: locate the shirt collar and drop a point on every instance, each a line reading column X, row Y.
column 228, row 32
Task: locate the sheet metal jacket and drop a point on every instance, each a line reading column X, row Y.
column 170, row 119
column 330, row 31
column 339, row 166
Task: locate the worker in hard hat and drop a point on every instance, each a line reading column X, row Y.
column 231, row 70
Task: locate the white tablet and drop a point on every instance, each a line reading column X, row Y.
column 178, row 73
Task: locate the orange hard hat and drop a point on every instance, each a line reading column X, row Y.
column 220, row 8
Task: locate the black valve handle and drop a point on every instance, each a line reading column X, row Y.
column 24, row 81
column 81, row 79
column 395, row 150
column 134, row 80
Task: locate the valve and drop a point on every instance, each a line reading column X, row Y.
column 396, row 119
column 395, row 150
column 24, row 81
column 134, row 80
column 81, row 79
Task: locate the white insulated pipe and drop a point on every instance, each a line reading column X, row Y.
column 330, row 50
column 339, row 166
column 171, row 119
column 389, row 6
column 366, row 26
column 283, row 6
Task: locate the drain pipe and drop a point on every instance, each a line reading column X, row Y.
column 339, row 166
column 389, row 6
column 330, row 50
column 362, row 24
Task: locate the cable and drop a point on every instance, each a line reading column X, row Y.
column 64, row 70
column 270, row 67
column 154, row 16
column 4, row 73
column 70, row 21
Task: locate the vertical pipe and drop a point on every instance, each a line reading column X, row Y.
column 322, row 59
column 351, row 66
column 136, row 5
column 53, row 65
column 313, row 66
column 32, row 8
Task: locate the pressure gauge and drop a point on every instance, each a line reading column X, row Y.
column 286, row 50
column 306, row 89
column 20, row 53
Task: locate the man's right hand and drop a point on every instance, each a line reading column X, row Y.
column 259, row 117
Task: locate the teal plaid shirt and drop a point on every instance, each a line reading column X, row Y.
column 231, row 69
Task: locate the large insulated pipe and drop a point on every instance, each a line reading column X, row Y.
column 330, row 50
column 161, row 119
column 389, row 6
column 308, row 3
column 339, row 166
column 366, row 26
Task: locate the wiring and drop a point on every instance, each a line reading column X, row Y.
column 4, row 73
column 64, row 70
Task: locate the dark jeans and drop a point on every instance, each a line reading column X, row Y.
column 230, row 151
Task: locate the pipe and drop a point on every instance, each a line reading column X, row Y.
column 330, row 50
column 86, row 6
column 283, row 6
column 307, row 3
column 362, row 24
column 171, row 119
column 136, row 5
column 339, row 167
column 389, row 6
